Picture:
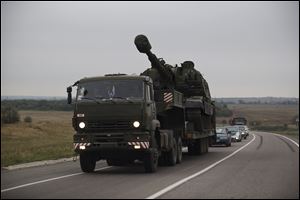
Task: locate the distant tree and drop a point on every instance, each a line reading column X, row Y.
column 295, row 119
column 255, row 123
column 9, row 115
column 224, row 121
column 28, row 119
column 222, row 110
column 241, row 101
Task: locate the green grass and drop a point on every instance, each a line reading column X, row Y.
column 289, row 130
column 49, row 136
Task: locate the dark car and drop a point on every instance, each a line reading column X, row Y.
column 223, row 136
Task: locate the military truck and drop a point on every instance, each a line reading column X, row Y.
column 123, row 118
column 238, row 121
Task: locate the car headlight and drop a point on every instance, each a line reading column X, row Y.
column 81, row 125
column 136, row 124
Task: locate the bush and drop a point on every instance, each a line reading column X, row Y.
column 222, row 110
column 28, row 119
column 9, row 115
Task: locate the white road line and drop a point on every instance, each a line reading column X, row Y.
column 287, row 138
column 47, row 180
column 182, row 181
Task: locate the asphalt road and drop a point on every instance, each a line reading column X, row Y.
column 262, row 166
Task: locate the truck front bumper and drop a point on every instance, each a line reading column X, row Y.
column 105, row 143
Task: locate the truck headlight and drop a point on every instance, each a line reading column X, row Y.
column 136, row 124
column 81, row 125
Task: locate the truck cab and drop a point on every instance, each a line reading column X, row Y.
column 115, row 119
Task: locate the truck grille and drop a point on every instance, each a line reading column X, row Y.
column 112, row 125
column 109, row 138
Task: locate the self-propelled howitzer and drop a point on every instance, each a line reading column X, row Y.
column 185, row 78
column 198, row 109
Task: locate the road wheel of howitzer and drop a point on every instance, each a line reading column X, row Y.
column 171, row 156
column 151, row 161
column 87, row 162
column 179, row 150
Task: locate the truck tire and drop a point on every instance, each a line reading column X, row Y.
column 179, row 150
column 151, row 161
column 172, row 154
column 87, row 162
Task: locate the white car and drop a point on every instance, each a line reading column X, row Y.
column 235, row 132
column 244, row 131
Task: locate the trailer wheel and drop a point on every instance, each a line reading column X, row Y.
column 87, row 162
column 179, row 150
column 172, row 154
column 151, row 161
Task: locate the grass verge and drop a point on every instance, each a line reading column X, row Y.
column 46, row 137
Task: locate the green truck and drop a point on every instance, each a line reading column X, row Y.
column 150, row 117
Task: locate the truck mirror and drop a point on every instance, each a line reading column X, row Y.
column 69, row 91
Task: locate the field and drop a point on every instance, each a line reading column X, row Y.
column 48, row 136
column 266, row 117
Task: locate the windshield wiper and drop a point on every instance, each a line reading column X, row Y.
column 123, row 98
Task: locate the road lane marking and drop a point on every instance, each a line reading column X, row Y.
column 47, row 180
column 182, row 181
column 287, row 138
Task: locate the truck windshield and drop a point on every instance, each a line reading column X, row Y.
column 110, row 89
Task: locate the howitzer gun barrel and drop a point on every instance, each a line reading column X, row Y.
column 143, row 45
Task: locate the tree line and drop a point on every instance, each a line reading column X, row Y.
column 43, row 105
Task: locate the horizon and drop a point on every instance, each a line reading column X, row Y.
column 35, row 96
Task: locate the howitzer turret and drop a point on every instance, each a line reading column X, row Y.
column 185, row 79
column 162, row 76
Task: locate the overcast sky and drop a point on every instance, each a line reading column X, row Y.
column 243, row 49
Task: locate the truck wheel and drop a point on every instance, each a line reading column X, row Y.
column 172, row 154
column 151, row 161
column 179, row 150
column 87, row 162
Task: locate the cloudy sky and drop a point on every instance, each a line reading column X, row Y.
column 243, row 49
